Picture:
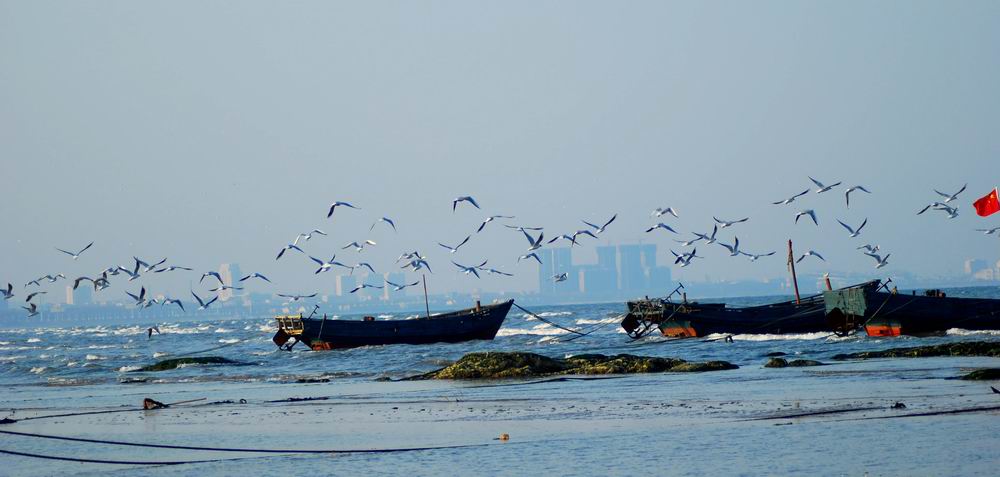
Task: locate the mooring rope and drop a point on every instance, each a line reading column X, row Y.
column 236, row 449
column 114, row 462
column 547, row 321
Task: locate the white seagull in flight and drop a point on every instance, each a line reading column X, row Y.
column 560, row 277
column 879, row 260
column 847, row 194
column 854, row 232
column 326, row 266
column 455, row 248
column 530, row 255
column 822, row 188
column 951, row 197
column 467, row 270
column 386, row 220
column 491, row 219
column 77, row 254
column 734, row 249
column 754, row 257
column 398, row 287
column 659, row 212
column 308, row 236
column 296, row 297
column 708, row 238
column 810, row 253
column 334, row 206
column 202, row 305
column 464, row 198
column 255, row 275
column 660, row 225
column 951, row 211
column 791, row 199
column 290, row 246
column 811, row 213
column 728, row 223
column 600, row 230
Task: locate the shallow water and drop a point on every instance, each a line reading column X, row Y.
column 694, row 424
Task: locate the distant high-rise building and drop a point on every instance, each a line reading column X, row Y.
column 974, row 265
column 345, row 283
column 69, row 295
column 230, row 273
column 398, row 278
column 83, row 295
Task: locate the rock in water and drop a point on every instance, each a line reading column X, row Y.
column 970, row 348
column 986, row 374
column 776, row 363
column 174, row 363
column 498, row 365
column 798, row 363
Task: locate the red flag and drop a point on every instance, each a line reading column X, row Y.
column 988, row 204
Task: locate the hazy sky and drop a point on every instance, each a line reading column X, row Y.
column 212, row 132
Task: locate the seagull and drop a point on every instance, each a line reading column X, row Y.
column 113, row 271
column 467, row 270
column 296, row 297
column 491, row 219
column 724, row 223
column 132, row 274
column 989, row 231
column 365, row 285
column 791, row 199
column 53, row 279
column 600, row 230
column 212, row 274
column 822, row 188
column 688, row 243
column 202, row 305
column 754, row 257
column 33, row 295
column 32, row 310
column 660, row 225
column 879, row 260
column 870, row 248
column 84, row 249
column 290, row 246
column 951, row 211
column 684, row 259
column 326, row 266
column 560, row 277
column 168, row 301
column 535, row 243
column 847, row 194
column 734, row 249
column 309, row 235
column 224, row 288
column 522, row 229
column 363, row 264
column 76, row 283
column 397, row 287
column 530, row 255
column 465, row 198
column 9, row 292
column 417, row 264
column 708, row 238
column 172, row 268
column 808, row 254
column 455, row 248
column 151, row 329
column 811, row 213
column 493, row 271
column 409, row 256
column 140, row 299
column 386, row 220
column 255, row 275
column 854, row 233
column 583, row 232
column 334, row 205
column 147, row 267
column 659, row 212
column 570, row 238
column 34, row 282
column 947, row 197
column 359, row 246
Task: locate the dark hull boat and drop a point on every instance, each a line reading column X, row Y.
column 692, row 319
column 887, row 313
column 478, row 323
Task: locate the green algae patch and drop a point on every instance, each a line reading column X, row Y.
column 987, row 374
column 500, row 365
column 169, row 364
column 971, row 348
column 784, row 363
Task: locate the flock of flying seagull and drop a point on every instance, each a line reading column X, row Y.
column 415, row 261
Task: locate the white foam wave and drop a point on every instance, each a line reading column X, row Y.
column 229, row 340
column 33, row 340
column 223, row 330
column 587, row 321
column 39, row 369
column 160, row 354
column 545, row 314
column 543, row 329
column 774, row 337
column 93, row 357
column 126, row 369
column 961, row 332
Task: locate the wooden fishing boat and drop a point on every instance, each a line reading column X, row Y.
column 884, row 312
column 692, row 319
column 477, row 323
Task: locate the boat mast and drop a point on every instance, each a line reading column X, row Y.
column 427, row 306
column 791, row 266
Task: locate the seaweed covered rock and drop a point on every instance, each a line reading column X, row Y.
column 174, row 363
column 498, row 365
column 970, row 348
column 776, row 363
column 798, row 363
column 986, row 374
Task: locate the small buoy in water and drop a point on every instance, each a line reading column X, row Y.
column 899, row 405
column 504, row 437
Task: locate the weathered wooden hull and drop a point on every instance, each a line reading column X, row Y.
column 479, row 323
column 685, row 320
column 892, row 314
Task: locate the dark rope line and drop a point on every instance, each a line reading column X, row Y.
column 547, row 321
column 235, row 449
column 105, row 461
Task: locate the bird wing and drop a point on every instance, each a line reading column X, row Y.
column 92, row 243
column 71, row 254
column 591, row 225
column 862, row 224
column 848, row 227
column 472, row 201
column 463, row 242
column 196, row 297
column 211, row 301
column 818, row 183
column 612, row 219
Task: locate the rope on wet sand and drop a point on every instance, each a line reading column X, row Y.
column 236, row 449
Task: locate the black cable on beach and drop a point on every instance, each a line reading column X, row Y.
column 114, row 462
